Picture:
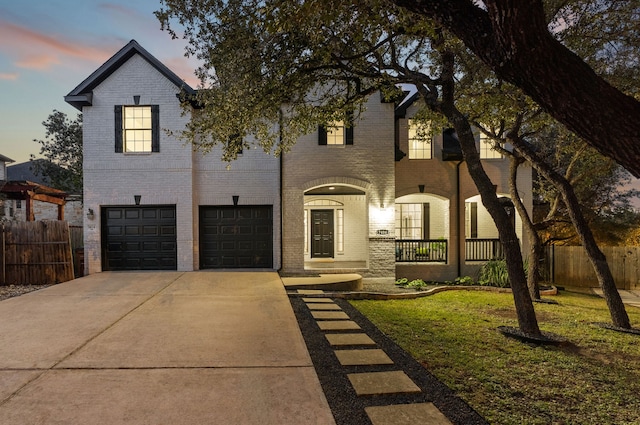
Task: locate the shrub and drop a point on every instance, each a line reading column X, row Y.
column 494, row 273
column 417, row 284
column 466, row 281
column 402, row 281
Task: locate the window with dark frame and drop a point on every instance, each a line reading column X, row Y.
column 137, row 128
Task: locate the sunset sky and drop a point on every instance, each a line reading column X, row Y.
column 49, row 47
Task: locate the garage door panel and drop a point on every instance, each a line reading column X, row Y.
column 236, row 237
column 132, row 230
column 167, row 230
column 139, row 238
column 131, row 214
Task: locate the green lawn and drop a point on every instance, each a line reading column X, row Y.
column 595, row 379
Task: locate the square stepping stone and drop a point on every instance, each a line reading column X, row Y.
column 310, row 291
column 329, row 315
column 350, row 339
column 317, row 300
column 362, row 357
column 406, row 414
column 338, row 325
column 323, row 306
column 374, row 383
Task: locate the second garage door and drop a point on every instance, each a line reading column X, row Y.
column 236, row 237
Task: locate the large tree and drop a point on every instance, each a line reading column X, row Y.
column 62, row 150
column 513, row 38
column 305, row 64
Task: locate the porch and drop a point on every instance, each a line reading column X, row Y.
column 436, row 250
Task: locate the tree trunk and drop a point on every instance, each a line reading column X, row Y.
column 512, row 38
column 535, row 245
column 527, row 320
column 596, row 257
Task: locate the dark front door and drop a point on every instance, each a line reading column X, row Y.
column 236, row 237
column 321, row 233
column 139, row 238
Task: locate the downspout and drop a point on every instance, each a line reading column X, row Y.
column 458, row 227
column 280, row 184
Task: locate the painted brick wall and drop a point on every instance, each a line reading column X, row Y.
column 254, row 177
column 368, row 164
column 110, row 178
column 439, row 178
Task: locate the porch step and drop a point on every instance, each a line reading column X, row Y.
column 329, row 282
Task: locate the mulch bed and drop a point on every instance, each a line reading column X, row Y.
column 347, row 407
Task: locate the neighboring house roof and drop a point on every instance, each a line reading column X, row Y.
column 5, row 159
column 82, row 95
column 23, row 171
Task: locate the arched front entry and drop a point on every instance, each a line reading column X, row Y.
column 335, row 227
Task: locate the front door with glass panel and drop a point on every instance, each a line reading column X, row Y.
column 321, row 233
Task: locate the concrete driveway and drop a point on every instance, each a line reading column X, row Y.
column 157, row 348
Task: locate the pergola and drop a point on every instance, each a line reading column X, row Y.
column 29, row 191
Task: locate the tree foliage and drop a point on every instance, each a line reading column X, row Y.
column 62, row 149
column 300, row 64
column 513, row 38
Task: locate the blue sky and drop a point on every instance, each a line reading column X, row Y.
column 48, row 47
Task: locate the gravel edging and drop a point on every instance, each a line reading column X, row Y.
column 10, row 291
column 346, row 406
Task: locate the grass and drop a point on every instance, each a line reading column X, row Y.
column 595, row 379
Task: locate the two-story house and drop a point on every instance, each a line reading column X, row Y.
column 337, row 202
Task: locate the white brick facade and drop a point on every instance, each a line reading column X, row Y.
column 366, row 166
column 368, row 180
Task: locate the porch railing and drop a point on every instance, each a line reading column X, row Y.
column 483, row 249
column 421, row 250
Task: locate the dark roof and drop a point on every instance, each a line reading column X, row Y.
column 82, row 95
column 408, row 100
column 24, row 171
column 5, row 159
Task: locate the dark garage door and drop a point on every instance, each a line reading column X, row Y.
column 139, row 238
column 236, row 237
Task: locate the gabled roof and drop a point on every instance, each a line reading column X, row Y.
column 24, row 171
column 82, row 95
column 5, row 159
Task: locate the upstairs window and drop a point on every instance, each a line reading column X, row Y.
column 337, row 133
column 419, row 140
column 137, row 128
column 486, row 148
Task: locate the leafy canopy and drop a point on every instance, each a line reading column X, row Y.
column 62, row 149
column 297, row 63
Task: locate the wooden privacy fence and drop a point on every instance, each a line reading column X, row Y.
column 570, row 266
column 36, row 253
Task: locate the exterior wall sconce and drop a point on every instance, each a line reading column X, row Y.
column 136, row 100
column 421, row 188
column 90, row 214
column 235, row 200
column 381, row 205
column 137, row 199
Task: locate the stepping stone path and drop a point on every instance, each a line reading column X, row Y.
column 353, row 347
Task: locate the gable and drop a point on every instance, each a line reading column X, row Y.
column 82, row 95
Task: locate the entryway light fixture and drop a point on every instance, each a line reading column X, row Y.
column 235, row 200
column 421, row 188
column 137, row 199
column 90, row 214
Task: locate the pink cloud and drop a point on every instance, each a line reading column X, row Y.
column 33, row 50
column 9, row 76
